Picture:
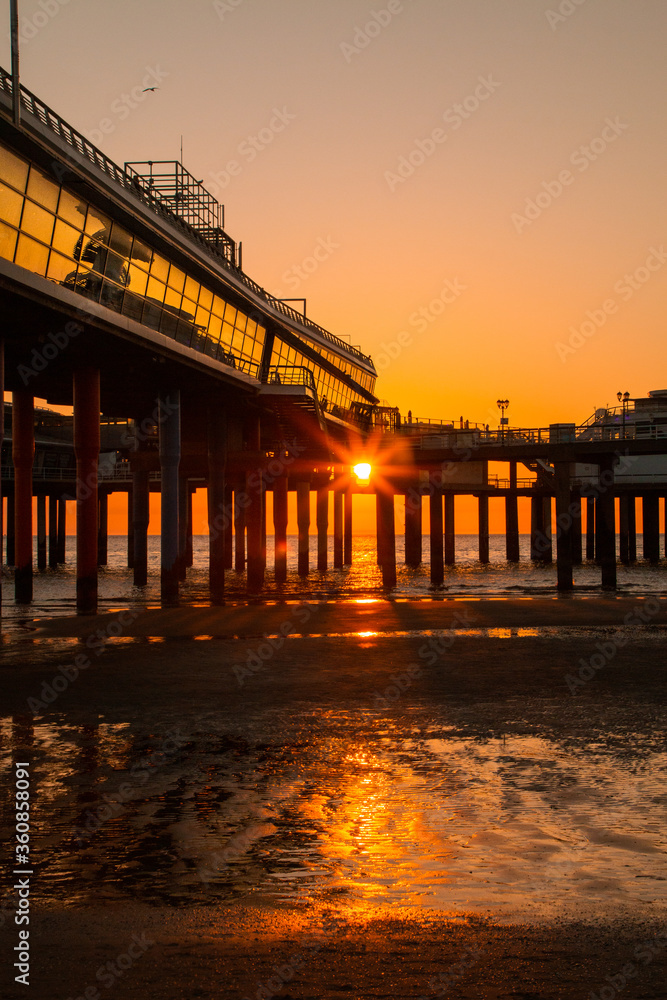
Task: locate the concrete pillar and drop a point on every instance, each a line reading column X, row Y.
column 536, row 528
column 575, row 509
column 632, row 530
column 651, row 529
column 450, row 530
column 23, row 452
column 280, row 527
column 387, row 538
column 41, row 531
column 11, row 530
column 548, row 542
column 483, row 527
column 218, row 514
column 338, row 496
column 347, row 528
column 590, row 528
column 254, row 517
column 563, row 527
column 103, row 528
column 437, row 563
column 322, row 512
column 240, row 498
column 606, row 522
column 303, row 524
column 53, row 531
column 86, row 382
column 228, row 529
column 130, row 529
column 511, row 527
column 62, row 530
column 170, row 457
column 378, row 533
column 413, row 526
column 2, row 434
column 139, row 524
column 189, row 549
column 183, row 499
column 624, row 528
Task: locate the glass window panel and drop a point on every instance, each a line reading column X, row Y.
column 241, row 320
column 7, row 241
column 173, row 298
column 137, row 280
column 11, row 204
column 72, row 209
column 116, row 268
column 141, row 253
column 88, row 283
column 191, row 289
column 31, row 255
column 159, row 268
column 155, row 290
column 218, row 306
column 189, row 308
column 112, row 296
column 230, row 314
column 228, row 334
column 98, row 225
column 42, row 190
column 215, row 327
column 90, row 251
column 151, row 315
column 121, row 241
column 176, row 279
column 61, row 268
column 133, row 306
column 13, row 170
column 202, row 317
column 65, row 238
column 37, row 222
column 205, row 298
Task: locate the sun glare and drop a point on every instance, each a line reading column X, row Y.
column 362, row 470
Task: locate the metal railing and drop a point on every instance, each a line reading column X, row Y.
column 224, row 253
column 291, row 375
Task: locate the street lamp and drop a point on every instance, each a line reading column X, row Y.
column 502, row 406
column 624, row 400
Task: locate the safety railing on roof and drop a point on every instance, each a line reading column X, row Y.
column 223, row 252
column 291, row 375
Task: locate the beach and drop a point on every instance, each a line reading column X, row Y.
column 410, row 796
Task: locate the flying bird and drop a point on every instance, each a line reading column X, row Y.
column 146, row 89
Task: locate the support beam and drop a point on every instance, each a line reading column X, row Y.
column 387, row 538
column 139, row 528
column 240, row 498
column 62, row 530
column 537, row 539
column 218, row 514
column 41, row 531
column 280, row 527
column 590, row 528
column 11, row 530
column 575, row 511
column 413, row 526
column 450, row 530
column 606, row 523
column 53, row 531
column 624, row 528
column 228, row 529
column 632, row 530
column 169, row 421
column 563, row 527
column 103, row 528
column 322, row 516
column 2, row 343
column 511, row 527
column 254, row 522
column 303, row 524
column 130, row 529
column 86, row 382
column 183, row 501
column 548, row 555
column 347, row 528
column 651, row 527
column 338, row 496
column 483, row 527
column 436, row 555
column 23, row 451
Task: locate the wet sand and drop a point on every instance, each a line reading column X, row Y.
column 394, row 791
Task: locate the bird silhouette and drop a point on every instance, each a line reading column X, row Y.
column 146, row 89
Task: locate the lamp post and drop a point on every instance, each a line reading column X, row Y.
column 502, row 406
column 624, row 400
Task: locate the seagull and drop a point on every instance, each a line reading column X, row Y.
column 146, row 89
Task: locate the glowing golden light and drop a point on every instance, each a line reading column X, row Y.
column 362, row 470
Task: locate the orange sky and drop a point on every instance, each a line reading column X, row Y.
column 487, row 175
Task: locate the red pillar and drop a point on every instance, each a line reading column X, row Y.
column 23, row 453
column 86, row 451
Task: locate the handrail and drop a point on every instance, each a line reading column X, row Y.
column 291, row 375
column 49, row 118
